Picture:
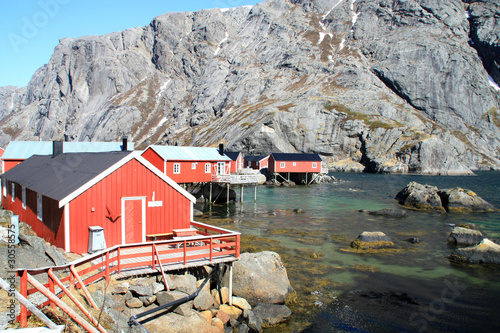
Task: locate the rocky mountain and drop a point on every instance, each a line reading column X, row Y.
column 373, row 85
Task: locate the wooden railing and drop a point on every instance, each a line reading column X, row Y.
column 209, row 244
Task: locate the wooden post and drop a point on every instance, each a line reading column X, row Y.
column 51, row 287
column 241, row 193
column 107, row 266
column 24, row 293
column 210, row 198
column 230, row 284
column 255, row 193
column 227, row 195
column 118, row 258
column 237, row 250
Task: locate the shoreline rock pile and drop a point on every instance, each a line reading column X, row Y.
column 260, row 289
column 428, row 197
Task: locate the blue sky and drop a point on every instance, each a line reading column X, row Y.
column 31, row 29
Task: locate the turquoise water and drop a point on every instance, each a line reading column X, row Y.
column 414, row 289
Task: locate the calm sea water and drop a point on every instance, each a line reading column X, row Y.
column 413, row 289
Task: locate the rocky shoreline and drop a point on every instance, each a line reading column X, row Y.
column 261, row 290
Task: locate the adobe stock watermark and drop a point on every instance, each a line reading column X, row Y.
column 30, row 27
column 420, row 320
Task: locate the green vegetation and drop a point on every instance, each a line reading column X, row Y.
column 373, row 121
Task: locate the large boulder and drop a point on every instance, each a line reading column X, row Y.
column 485, row 252
column 173, row 322
column 465, row 236
column 419, row 196
column 427, row 197
column 461, row 200
column 260, row 278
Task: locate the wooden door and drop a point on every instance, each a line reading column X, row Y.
column 133, row 220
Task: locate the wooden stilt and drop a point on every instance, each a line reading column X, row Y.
column 227, row 195
column 210, row 198
column 230, row 283
column 255, row 193
column 241, row 193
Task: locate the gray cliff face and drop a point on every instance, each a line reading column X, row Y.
column 485, row 34
column 381, row 86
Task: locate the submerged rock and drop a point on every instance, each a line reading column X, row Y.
column 272, row 314
column 485, row 252
column 389, row 212
column 372, row 240
column 465, row 237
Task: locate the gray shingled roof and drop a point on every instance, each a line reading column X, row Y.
column 296, row 157
column 60, row 176
column 254, row 158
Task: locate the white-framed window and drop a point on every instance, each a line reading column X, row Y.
column 39, row 207
column 177, row 168
column 282, row 164
column 294, row 164
column 193, row 166
column 315, row 165
column 221, row 168
column 4, row 187
column 13, row 192
column 23, row 196
column 207, row 167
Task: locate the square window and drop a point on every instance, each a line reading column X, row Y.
column 207, row 168
column 177, row 168
column 23, row 194
column 39, row 206
column 315, row 165
column 193, row 166
column 282, row 164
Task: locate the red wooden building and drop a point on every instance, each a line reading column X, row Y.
column 189, row 164
column 236, row 161
column 62, row 196
column 297, row 167
column 257, row 162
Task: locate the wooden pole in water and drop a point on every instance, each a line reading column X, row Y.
column 255, row 193
column 241, row 193
column 210, row 193
column 227, row 193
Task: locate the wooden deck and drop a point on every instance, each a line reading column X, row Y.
column 211, row 245
column 171, row 260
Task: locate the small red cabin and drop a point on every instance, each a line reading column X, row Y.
column 294, row 163
column 61, row 197
column 257, row 162
column 188, row 164
column 237, row 161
